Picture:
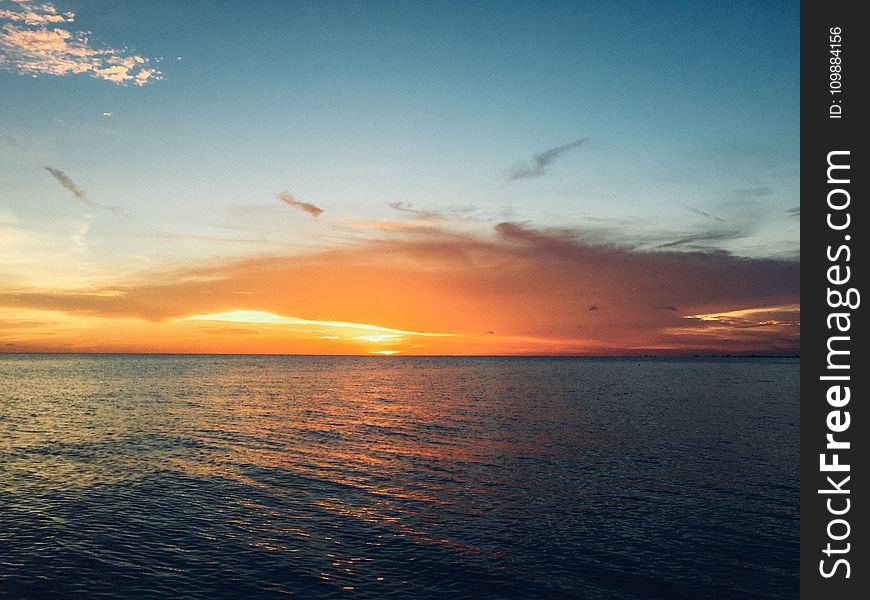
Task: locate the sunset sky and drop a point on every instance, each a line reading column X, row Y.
column 399, row 177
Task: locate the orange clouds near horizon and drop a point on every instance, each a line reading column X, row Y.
column 515, row 290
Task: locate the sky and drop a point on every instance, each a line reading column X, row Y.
column 399, row 177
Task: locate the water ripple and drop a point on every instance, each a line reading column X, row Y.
column 314, row 477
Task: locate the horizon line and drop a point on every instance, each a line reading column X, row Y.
column 387, row 356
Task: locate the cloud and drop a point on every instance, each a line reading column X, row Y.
column 35, row 14
column 778, row 325
column 745, row 317
column 454, row 215
column 532, row 286
column 255, row 316
column 696, row 240
column 36, row 40
column 794, row 211
column 80, row 195
column 706, row 214
column 537, row 166
column 69, row 184
column 406, row 207
column 289, row 200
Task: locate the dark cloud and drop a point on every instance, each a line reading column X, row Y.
column 795, row 211
column 538, row 164
column 69, row 185
column 289, row 200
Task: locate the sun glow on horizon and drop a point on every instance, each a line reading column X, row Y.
column 376, row 338
column 258, row 316
column 327, row 330
column 299, row 226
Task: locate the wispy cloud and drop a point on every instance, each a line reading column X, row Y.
column 447, row 214
column 538, row 164
column 36, row 39
column 778, row 324
column 744, row 316
column 289, row 200
column 700, row 212
column 269, row 318
column 697, row 241
column 794, row 211
column 406, row 207
column 68, row 184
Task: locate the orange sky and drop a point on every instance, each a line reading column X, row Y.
column 428, row 290
column 399, row 181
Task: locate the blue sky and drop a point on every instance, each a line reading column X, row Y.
column 685, row 117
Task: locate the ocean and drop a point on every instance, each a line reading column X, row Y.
column 177, row 476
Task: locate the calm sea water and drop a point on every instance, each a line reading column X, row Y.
column 315, row 477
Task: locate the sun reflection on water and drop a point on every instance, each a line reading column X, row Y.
column 358, row 473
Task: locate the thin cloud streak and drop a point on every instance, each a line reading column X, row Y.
column 537, row 166
column 694, row 241
column 68, row 184
column 700, row 212
column 253, row 316
column 443, row 216
column 289, row 200
column 406, row 207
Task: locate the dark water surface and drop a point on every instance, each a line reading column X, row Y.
column 315, row 477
